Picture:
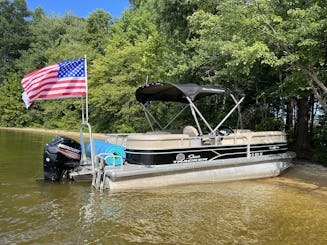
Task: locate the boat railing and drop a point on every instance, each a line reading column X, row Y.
column 165, row 141
column 153, row 141
column 264, row 137
column 118, row 139
column 101, row 164
column 112, row 160
column 84, row 158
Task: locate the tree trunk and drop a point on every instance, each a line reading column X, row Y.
column 302, row 134
column 321, row 85
column 289, row 117
column 312, row 115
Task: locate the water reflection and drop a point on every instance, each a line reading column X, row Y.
column 247, row 212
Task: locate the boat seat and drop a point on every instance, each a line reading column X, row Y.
column 190, row 131
column 250, row 137
column 157, row 141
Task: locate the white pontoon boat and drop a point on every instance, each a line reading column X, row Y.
column 165, row 157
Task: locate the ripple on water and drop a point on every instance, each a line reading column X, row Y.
column 245, row 212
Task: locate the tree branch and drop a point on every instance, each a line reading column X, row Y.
column 322, row 102
column 315, row 78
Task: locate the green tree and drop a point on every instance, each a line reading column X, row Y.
column 97, row 30
column 286, row 36
column 12, row 109
column 53, row 39
column 14, row 33
column 134, row 52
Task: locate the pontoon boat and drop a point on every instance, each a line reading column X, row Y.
column 166, row 157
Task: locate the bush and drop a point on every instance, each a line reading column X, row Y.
column 320, row 155
column 320, row 141
column 269, row 124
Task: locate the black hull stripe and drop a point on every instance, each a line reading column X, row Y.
column 173, row 156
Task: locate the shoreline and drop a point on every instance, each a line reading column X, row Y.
column 305, row 175
column 54, row 132
column 302, row 174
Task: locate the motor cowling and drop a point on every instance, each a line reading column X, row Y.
column 60, row 154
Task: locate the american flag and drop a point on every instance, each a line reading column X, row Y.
column 62, row 80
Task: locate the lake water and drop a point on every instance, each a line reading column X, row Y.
column 244, row 212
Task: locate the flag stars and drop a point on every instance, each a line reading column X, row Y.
column 72, row 68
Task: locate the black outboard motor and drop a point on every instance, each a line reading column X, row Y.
column 60, row 154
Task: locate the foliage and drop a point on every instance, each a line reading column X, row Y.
column 320, row 141
column 14, row 33
column 97, row 30
column 12, row 110
column 134, row 54
column 269, row 123
column 320, row 155
column 273, row 50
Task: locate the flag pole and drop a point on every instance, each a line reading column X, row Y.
column 83, row 114
column 86, row 96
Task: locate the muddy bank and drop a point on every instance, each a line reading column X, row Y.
column 307, row 172
column 305, row 175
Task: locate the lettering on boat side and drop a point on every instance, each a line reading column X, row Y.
column 274, row 147
column 69, row 148
column 256, row 154
column 181, row 158
column 69, row 151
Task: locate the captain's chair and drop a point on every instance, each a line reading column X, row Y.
column 190, row 131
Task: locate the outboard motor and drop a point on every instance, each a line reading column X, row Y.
column 60, row 154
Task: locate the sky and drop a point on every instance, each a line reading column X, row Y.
column 80, row 8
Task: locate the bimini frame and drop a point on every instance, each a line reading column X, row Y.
column 185, row 93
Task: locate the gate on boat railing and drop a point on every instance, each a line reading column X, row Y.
column 84, row 160
column 98, row 161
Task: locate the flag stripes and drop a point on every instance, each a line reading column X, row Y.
column 63, row 80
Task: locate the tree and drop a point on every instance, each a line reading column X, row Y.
column 286, row 36
column 97, row 30
column 53, row 39
column 14, row 33
column 134, row 52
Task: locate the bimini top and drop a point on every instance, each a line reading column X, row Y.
column 176, row 92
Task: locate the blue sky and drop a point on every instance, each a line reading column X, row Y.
column 81, row 8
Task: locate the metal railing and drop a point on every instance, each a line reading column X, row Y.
column 247, row 138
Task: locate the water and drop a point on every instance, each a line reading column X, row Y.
column 246, row 212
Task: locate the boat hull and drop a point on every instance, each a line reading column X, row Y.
column 201, row 154
column 130, row 176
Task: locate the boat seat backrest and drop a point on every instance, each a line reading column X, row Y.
column 250, row 137
column 190, row 131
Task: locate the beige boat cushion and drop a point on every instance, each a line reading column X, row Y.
column 190, row 131
column 149, row 141
column 247, row 136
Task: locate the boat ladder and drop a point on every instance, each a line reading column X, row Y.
column 99, row 180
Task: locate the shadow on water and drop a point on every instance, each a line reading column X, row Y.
column 249, row 212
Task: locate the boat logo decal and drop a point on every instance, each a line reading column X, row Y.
column 181, row 158
column 69, row 151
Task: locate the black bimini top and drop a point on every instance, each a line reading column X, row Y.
column 176, row 92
